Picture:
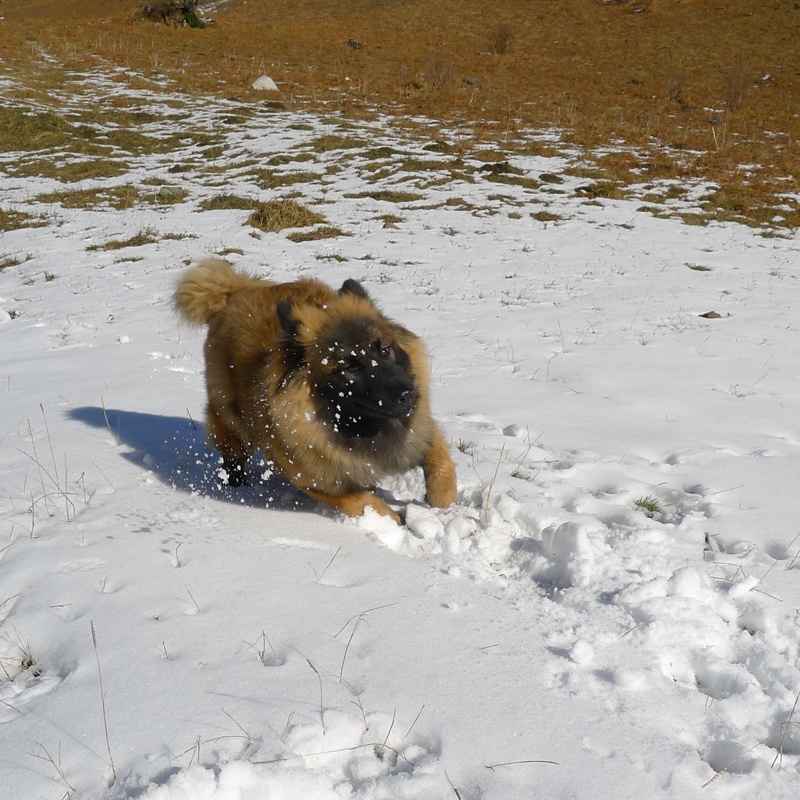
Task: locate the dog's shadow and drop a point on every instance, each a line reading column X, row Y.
column 174, row 449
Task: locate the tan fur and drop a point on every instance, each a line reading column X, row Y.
column 256, row 402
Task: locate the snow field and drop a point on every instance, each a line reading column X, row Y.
column 615, row 590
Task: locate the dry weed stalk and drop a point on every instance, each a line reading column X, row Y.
column 781, row 736
column 357, row 618
column 53, row 477
column 24, row 661
column 320, row 576
column 675, row 79
column 437, row 74
column 45, row 755
column 260, row 646
column 352, row 749
column 321, row 706
column 784, row 734
column 103, row 704
column 526, row 761
column 737, row 85
column 501, row 38
column 491, row 486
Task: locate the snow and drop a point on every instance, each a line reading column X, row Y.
column 611, row 607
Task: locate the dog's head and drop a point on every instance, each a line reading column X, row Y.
column 361, row 375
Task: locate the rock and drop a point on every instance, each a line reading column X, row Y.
column 354, row 44
column 265, row 84
column 171, row 194
column 711, row 315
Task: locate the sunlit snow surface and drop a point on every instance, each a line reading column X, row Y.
column 610, row 609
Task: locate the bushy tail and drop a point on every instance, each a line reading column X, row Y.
column 204, row 290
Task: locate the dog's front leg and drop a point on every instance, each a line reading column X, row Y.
column 355, row 503
column 440, row 473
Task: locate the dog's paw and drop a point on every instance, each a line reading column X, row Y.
column 232, row 476
column 440, row 486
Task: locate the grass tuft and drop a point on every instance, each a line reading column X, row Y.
column 173, row 12
column 17, row 659
column 24, row 130
column 500, row 39
column 649, row 506
column 228, row 202
column 323, row 232
column 388, row 196
column 11, row 220
column 143, row 237
column 11, row 261
column 117, row 197
column 275, row 215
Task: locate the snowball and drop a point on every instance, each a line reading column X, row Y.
column 569, row 548
column 423, row 522
column 581, row 652
column 743, row 587
column 507, row 507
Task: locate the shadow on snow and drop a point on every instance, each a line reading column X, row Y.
column 174, row 449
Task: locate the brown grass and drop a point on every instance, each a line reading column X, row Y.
column 11, row 220
column 322, row 232
column 143, row 237
column 228, row 202
column 275, row 215
column 717, row 83
column 117, row 197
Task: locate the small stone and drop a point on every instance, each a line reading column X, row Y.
column 265, row 84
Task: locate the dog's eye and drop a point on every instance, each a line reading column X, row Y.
column 352, row 367
column 386, row 351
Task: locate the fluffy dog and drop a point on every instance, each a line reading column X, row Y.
column 334, row 394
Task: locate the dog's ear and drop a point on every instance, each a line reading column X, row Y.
column 289, row 324
column 294, row 354
column 354, row 288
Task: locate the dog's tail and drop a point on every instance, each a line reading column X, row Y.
column 205, row 289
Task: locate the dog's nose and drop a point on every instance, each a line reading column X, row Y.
column 405, row 396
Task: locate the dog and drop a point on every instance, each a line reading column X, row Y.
column 334, row 394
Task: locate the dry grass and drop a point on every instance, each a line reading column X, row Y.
column 269, row 179
column 717, row 84
column 143, row 237
column 70, row 171
column 275, row 215
column 388, row 195
column 11, row 220
column 322, row 232
column 117, row 197
column 228, row 202
column 12, row 261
